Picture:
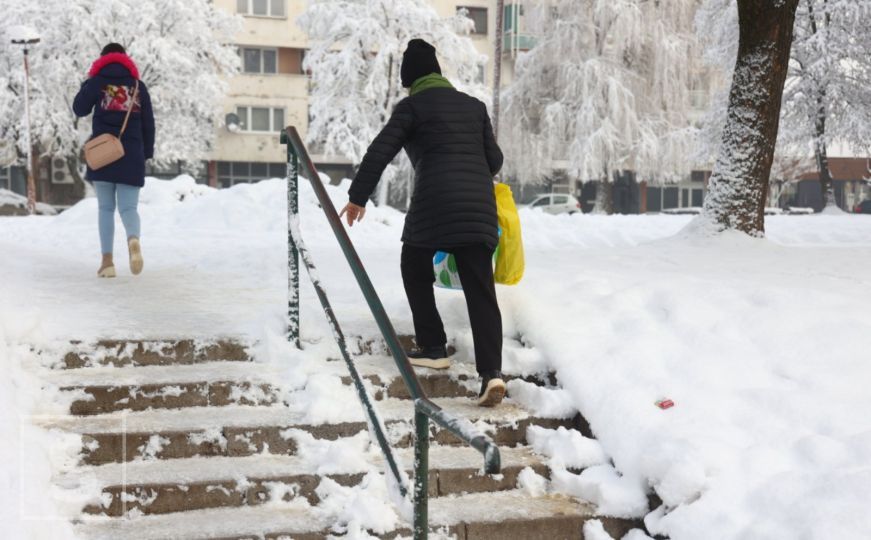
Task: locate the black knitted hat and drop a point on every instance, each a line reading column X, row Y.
column 418, row 60
column 113, row 48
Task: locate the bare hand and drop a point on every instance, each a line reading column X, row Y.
column 354, row 213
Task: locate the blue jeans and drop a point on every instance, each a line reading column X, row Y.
column 128, row 200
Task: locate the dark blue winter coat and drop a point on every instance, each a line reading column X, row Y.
column 108, row 93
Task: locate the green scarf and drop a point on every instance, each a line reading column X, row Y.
column 433, row 80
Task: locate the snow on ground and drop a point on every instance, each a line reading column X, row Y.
column 10, row 198
column 761, row 344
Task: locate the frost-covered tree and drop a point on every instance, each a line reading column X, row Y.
column 180, row 46
column 354, row 60
column 827, row 95
column 605, row 88
column 739, row 184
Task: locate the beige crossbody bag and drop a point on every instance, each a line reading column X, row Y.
column 107, row 148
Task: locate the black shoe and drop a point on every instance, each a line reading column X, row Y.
column 492, row 389
column 435, row 357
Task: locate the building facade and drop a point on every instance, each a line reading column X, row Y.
column 271, row 91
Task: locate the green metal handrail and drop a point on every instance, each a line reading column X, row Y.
column 425, row 410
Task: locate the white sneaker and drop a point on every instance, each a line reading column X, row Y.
column 492, row 392
column 429, row 357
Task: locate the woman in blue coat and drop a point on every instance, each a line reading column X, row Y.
column 113, row 88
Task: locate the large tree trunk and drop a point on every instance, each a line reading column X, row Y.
column 739, row 184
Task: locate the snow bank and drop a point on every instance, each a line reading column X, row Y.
column 759, row 347
column 10, row 198
column 30, row 506
column 566, row 448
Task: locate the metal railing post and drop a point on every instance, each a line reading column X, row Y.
column 292, row 250
column 421, row 475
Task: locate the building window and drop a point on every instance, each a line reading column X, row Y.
column 261, row 8
column 260, row 119
column 231, row 173
column 482, row 76
column 509, row 19
column 670, row 197
column 654, row 199
column 5, row 175
column 697, row 176
column 698, row 197
column 14, row 179
column 258, row 60
column 478, row 16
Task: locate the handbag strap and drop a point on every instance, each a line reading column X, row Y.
column 130, row 109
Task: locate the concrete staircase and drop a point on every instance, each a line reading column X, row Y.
column 195, row 441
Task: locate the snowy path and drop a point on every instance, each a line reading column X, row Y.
column 167, row 300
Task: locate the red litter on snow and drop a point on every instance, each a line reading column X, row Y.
column 665, row 404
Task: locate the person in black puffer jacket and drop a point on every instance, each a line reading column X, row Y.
column 449, row 140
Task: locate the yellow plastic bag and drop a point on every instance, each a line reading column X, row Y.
column 509, row 258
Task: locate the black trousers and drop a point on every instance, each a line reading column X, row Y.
column 475, row 267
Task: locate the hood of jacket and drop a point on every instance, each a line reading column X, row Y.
column 114, row 65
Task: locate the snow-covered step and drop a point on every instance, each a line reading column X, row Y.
column 478, row 516
column 296, row 520
column 238, row 430
column 104, row 399
column 103, row 389
column 152, row 352
column 162, row 374
column 107, row 389
column 461, row 380
column 163, row 486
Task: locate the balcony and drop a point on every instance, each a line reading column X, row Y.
column 513, row 41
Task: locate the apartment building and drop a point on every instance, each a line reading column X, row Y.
column 272, row 90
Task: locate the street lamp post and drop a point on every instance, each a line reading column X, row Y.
column 27, row 38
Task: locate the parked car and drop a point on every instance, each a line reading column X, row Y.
column 688, row 210
column 799, row 210
column 863, row 207
column 556, row 203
